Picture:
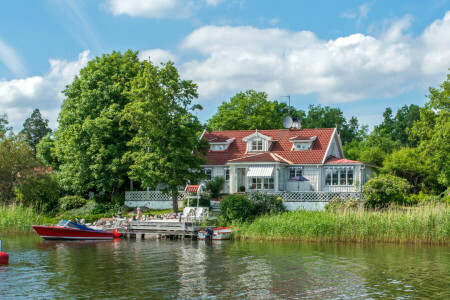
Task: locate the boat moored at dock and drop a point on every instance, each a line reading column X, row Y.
column 68, row 230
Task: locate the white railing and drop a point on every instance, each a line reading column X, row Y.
column 317, row 196
column 145, row 196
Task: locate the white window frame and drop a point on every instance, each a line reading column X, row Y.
column 226, row 174
column 339, row 176
column 208, row 172
column 257, row 145
column 298, row 171
column 262, row 183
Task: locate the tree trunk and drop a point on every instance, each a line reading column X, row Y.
column 175, row 201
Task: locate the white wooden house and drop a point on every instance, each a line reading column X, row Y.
column 267, row 160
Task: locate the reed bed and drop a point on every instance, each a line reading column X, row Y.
column 16, row 216
column 428, row 224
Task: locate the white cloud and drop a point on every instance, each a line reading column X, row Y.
column 361, row 14
column 19, row 97
column 157, row 56
column 10, row 59
column 214, row 2
column 345, row 69
column 151, row 8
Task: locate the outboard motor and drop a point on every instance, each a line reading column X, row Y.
column 209, row 233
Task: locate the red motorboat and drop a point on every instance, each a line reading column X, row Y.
column 68, row 230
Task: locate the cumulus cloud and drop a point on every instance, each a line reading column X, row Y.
column 10, row 59
column 151, row 8
column 157, row 56
column 19, row 97
column 341, row 70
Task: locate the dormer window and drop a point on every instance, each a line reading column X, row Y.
column 258, row 142
column 257, row 145
column 220, row 144
column 300, row 143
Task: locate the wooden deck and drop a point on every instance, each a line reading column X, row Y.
column 161, row 229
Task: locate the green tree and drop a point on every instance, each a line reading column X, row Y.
column 166, row 144
column 92, row 137
column 35, row 128
column 3, row 125
column 404, row 121
column 411, row 164
column 319, row 116
column 46, row 152
column 245, row 111
column 433, row 130
column 17, row 162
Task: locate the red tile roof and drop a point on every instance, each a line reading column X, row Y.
column 281, row 147
column 263, row 157
column 337, row 160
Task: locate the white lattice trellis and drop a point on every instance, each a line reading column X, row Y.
column 145, row 196
column 317, row 196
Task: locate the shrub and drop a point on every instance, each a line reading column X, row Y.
column 236, row 208
column 382, row 190
column 102, row 198
column 264, row 203
column 215, row 186
column 70, row 202
column 336, row 204
column 40, row 191
column 204, row 201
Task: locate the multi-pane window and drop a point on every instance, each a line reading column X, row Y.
column 302, row 146
column 208, row 172
column 293, row 172
column 262, row 184
column 339, row 176
column 257, row 145
column 227, row 174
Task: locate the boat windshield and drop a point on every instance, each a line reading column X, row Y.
column 62, row 223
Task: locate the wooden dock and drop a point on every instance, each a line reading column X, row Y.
column 161, row 229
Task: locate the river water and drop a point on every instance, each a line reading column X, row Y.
column 185, row 269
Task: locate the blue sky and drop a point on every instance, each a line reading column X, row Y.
column 360, row 56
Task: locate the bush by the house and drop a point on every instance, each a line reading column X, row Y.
column 215, row 186
column 70, row 202
column 204, row 201
column 264, row 203
column 236, row 208
column 40, row 191
column 336, row 204
column 382, row 190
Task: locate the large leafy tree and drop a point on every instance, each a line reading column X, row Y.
column 92, row 137
column 35, row 128
column 433, row 130
column 166, row 144
column 397, row 127
column 247, row 110
column 17, row 162
column 411, row 164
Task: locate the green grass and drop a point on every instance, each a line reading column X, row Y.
column 423, row 224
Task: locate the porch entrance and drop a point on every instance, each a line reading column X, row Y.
column 241, row 179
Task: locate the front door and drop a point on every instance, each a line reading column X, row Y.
column 241, row 180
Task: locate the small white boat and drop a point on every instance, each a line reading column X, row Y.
column 222, row 233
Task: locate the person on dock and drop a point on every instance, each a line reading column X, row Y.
column 139, row 214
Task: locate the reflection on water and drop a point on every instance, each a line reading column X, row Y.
column 175, row 269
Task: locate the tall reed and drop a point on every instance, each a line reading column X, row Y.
column 422, row 224
column 16, row 216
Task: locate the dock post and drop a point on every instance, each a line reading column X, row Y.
column 158, row 236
